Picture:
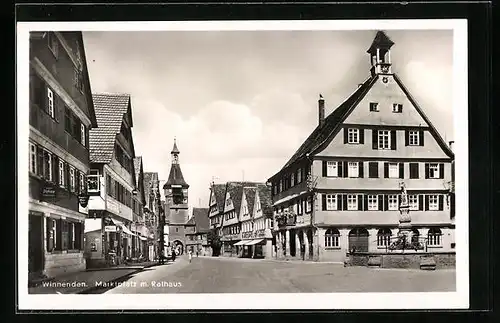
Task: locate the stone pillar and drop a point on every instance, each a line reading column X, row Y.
column 279, row 245
column 298, row 246
column 287, row 237
column 315, row 245
column 306, row 244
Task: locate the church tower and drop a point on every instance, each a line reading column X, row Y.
column 176, row 201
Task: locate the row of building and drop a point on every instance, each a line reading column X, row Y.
column 341, row 191
column 90, row 201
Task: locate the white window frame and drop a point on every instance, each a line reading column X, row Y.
column 434, row 240
column 50, row 96
column 353, row 169
column 332, row 169
column 393, row 170
column 413, row 138
column 49, row 162
column 82, row 183
column 72, row 181
column 82, row 133
column 383, row 240
column 382, row 136
column 353, row 136
column 392, row 203
column 308, row 205
column 33, row 166
column 434, row 170
column 352, row 202
column 331, row 202
column 433, row 202
column 372, row 202
column 413, row 202
column 299, row 175
column 332, row 240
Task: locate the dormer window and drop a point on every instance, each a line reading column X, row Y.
column 374, row 107
column 397, row 108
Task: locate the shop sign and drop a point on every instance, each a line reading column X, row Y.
column 48, row 191
column 110, row 228
column 83, row 199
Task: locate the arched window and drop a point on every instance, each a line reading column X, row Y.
column 384, row 237
column 415, row 235
column 332, row 238
column 358, row 240
column 434, row 237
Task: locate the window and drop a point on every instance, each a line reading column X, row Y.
column 353, row 169
column 384, row 237
column 413, row 202
column 397, row 108
column 47, row 157
column 32, row 165
column 434, row 171
column 93, row 181
column 393, row 202
column 433, row 202
column 50, row 102
column 384, row 139
column 72, row 185
column 83, row 133
column 82, row 183
column 352, row 202
column 308, row 205
column 332, row 238
column 373, row 169
column 53, row 44
column 176, row 229
column 292, row 179
column 51, row 234
column 413, row 138
column 353, row 136
column 331, row 202
column 413, row 170
column 299, row 175
column 372, row 202
column 332, row 168
column 61, row 173
column 434, row 237
column 393, row 170
column 374, row 106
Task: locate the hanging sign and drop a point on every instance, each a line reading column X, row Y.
column 48, row 191
column 110, row 228
column 83, row 199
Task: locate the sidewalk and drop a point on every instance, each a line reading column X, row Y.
column 84, row 281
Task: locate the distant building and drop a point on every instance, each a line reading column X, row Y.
column 139, row 227
column 176, row 203
column 152, row 211
column 340, row 191
column 61, row 112
column 196, row 232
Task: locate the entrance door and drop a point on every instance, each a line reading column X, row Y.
column 358, row 240
column 35, row 244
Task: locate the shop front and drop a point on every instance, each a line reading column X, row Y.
column 231, row 246
column 256, row 244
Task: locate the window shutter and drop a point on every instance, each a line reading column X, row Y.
column 344, row 202
column 421, row 138
column 339, row 169
column 426, row 170
column 413, row 170
column 441, row 202
column 401, row 170
column 360, row 169
column 407, row 138
column 373, row 169
column 66, row 175
column 386, row 202
column 386, row 170
column 39, row 155
column 393, row 139
column 361, row 136
column 374, row 139
column 360, row 202
column 345, row 136
column 55, row 169
column 381, row 202
column 346, row 173
column 323, row 196
column 441, row 170
column 426, row 202
column 420, row 202
column 324, row 168
column 77, row 181
column 365, row 202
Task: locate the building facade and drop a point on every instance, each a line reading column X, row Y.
column 152, row 212
column 111, row 182
column 139, row 227
column 197, row 229
column 340, row 193
column 215, row 213
column 61, row 112
column 176, row 203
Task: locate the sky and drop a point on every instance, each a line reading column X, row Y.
column 239, row 103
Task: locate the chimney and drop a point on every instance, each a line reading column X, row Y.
column 321, row 110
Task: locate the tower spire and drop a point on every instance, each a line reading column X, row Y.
column 175, row 153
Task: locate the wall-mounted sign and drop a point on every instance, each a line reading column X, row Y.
column 83, row 199
column 48, row 192
column 110, row 228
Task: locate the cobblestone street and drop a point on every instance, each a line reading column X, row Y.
column 233, row 275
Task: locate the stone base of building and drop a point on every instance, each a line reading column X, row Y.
column 420, row 260
column 57, row 264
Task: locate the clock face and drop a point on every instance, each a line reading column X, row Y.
column 385, row 69
column 385, row 80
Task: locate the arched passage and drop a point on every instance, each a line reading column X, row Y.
column 358, row 240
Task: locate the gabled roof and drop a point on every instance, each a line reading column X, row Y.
column 200, row 216
column 110, row 110
column 323, row 130
column 219, row 190
column 175, row 177
column 235, row 190
column 250, row 197
column 266, row 203
column 86, row 79
column 191, row 221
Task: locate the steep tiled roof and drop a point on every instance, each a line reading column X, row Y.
column 250, row 197
column 380, row 41
column 191, row 221
column 265, row 200
column 323, row 131
column 200, row 216
column 109, row 110
column 235, row 190
column 175, row 177
column 219, row 190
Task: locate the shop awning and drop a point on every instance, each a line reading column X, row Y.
column 239, row 243
column 124, row 228
column 251, row 243
column 143, row 238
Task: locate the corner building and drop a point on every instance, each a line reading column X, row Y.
column 340, row 191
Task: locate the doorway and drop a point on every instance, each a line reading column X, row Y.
column 293, row 244
column 35, row 244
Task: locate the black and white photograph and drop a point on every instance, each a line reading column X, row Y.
column 240, row 165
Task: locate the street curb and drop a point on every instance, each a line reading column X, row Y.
column 117, row 279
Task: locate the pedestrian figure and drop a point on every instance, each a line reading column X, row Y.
column 197, row 253
column 190, row 255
